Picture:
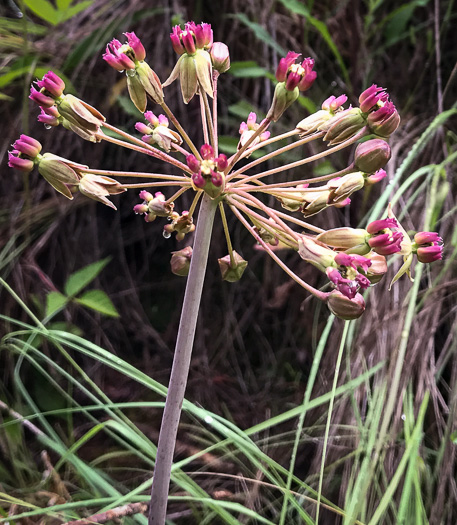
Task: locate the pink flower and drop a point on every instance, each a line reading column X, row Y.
column 52, row 83
column 193, row 37
column 296, row 75
column 49, row 116
column 137, row 47
column 116, row 56
column 371, row 96
column 40, row 98
column 333, row 103
column 385, row 236
column 428, row 246
column 346, row 278
column 385, row 120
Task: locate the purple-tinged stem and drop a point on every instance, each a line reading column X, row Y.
column 154, row 152
column 276, row 152
column 181, row 130
column 216, row 141
column 320, row 295
column 234, row 159
column 181, row 363
column 318, row 156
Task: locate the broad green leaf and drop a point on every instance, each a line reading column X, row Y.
column 98, row 300
column 128, row 106
column 80, row 279
column 260, row 32
column 44, row 10
column 54, row 301
column 247, row 69
column 296, row 7
column 242, row 109
column 307, row 103
column 74, row 10
column 63, row 5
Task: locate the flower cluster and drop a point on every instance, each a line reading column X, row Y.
column 208, row 174
column 248, row 129
column 57, row 108
column 157, row 132
column 351, row 258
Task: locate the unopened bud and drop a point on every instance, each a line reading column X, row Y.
column 220, row 57
column 229, row 272
column 345, row 308
column 345, row 238
column 343, row 126
column 372, row 155
column 180, row 261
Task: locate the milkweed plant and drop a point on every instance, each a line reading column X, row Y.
column 353, row 259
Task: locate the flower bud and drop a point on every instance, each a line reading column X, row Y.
column 374, row 178
column 345, row 308
column 342, row 187
column 384, row 121
column 98, row 188
column 315, row 252
column 372, row 155
column 52, row 83
column 378, row 267
column 345, row 238
column 232, row 273
column 344, row 125
column 282, row 99
column 180, row 261
column 220, row 57
column 60, row 173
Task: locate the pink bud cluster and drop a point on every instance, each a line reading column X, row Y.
column 153, row 206
column 248, row 128
column 333, row 103
column 51, row 88
column 385, row 236
column 383, row 118
column 123, row 56
column 346, row 278
column 24, row 152
column 296, row 75
column 209, row 169
column 193, row 37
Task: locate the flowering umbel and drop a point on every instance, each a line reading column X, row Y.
column 352, row 259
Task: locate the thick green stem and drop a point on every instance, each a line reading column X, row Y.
column 181, row 363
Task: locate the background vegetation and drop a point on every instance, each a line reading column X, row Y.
column 81, row 389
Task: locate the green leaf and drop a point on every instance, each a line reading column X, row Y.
column 80, row 279
column 128, row 106
column 247, row 69
column 298, row 8
column 74, row 10
column 44, row 10
column 62, row 5
column 98, row 300
column 54, row 301
column 241, row 109
column 260, row 32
